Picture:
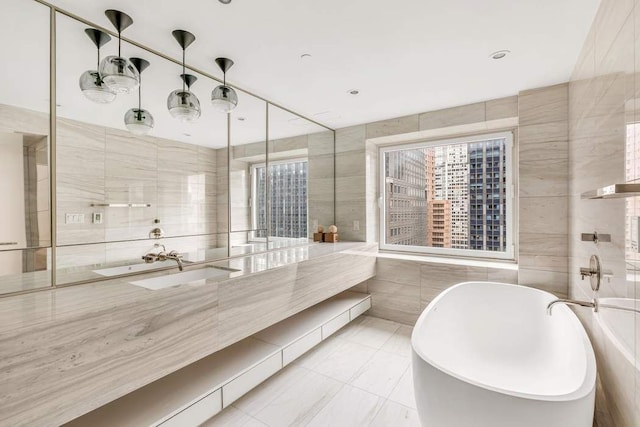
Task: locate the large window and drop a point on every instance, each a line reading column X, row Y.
column 288, row 189
column 450, row 197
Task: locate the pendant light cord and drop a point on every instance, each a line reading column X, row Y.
column 184, row 76
column 119, row 42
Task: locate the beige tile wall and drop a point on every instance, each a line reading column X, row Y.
column 543, row 199
column 602, row 103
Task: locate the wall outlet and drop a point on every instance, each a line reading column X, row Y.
column 356, row 225
column 96, row 218
column 74, row 218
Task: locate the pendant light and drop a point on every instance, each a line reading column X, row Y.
column 91, row 83
column 182, row 103
column 137, row 120
column 116, row 71
column 223, row 97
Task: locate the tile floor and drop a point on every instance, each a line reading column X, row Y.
column 361, row 376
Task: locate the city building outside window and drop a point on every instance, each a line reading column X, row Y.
column 288, row 189
column 449, row 197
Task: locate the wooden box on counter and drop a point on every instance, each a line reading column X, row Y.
column 331, row 237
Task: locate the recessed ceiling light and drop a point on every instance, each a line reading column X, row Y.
column 499, row 54
column 305, row 56
column 353, row 92
column 225, row 1
column 242, row 119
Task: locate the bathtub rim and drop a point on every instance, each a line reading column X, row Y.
column 588, row 384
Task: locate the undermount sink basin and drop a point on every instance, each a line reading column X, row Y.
column 125, row 269
column 188, row 277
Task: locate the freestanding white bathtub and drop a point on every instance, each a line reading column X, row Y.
column 487, row 354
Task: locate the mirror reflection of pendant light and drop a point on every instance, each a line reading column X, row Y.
column 116, row 71
column 137, row 120
column 182, row 103
column 91, row 83
column 223, row 97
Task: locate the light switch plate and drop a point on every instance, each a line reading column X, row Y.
column 356, row 225
column 96, row 218
column 74, row 218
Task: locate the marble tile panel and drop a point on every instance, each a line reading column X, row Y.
column 548, row 104
column 543, row 262
column 381, row 373
column 299, row 404
column 400, row 342
column 398, row 271
column 321, row 143
column 550, row 281
column 350, row 189
column 394, row 414
column 403, row 392
column 350, row 407
column 394, row 301
column 233, row 417
column 543, row 178
column 321, row 166
column 394, row 126
column 260, row 397
column 465, row 114
column 502, row 275
column 351, row 163
column 541, row 214
column 350, row 139
column 344, row 361
column 371, row 331
column 502, row 108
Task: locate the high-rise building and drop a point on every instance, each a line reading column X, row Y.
column 405, row 197
column 488, row 193
column 452, row 184
column 438, row 211
column 288, row 191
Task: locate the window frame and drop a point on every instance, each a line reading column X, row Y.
column 253, row 198
column 510, row 174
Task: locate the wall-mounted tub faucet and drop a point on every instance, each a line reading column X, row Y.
column 593, row 304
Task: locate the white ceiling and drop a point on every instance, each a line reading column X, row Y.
column 405, row 57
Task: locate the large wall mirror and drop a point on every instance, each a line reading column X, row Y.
column 222, row 185
column 25, row 214
column 300, row 179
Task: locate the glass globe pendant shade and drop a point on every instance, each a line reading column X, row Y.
column 138, row 121
column 118, row 74
column 94, row 88
column 184, row 105
column 224, row 99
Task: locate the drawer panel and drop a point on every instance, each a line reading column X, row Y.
column 301, row 346
column 360, row 308
column 254, row 376
column 197, row 413
column 335, row 324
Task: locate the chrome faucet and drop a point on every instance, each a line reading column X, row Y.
column 593, row 304
column 151, row 257
column 162, row 256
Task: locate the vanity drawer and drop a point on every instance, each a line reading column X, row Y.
column 197, row 413
column 248, row 380
column 334, row 324
column 301, row 346
column 360, row 308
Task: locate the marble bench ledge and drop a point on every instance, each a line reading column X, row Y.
column 70, row 350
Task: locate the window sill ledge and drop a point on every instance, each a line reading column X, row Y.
column 429, row 259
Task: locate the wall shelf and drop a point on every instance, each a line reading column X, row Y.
column 615, row 191
column 121, row 205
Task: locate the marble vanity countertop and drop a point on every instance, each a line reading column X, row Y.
column 67, row 351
